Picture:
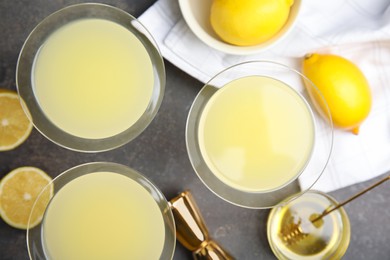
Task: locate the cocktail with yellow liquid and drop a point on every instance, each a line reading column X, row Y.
column 103, row 211
column 91, row 76
column 252, row 133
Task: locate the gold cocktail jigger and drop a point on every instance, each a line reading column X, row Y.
column 191, row 230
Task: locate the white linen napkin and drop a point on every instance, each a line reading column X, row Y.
column 358, row 30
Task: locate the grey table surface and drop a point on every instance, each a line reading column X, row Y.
column 160, row 154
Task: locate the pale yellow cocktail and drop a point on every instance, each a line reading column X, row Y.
column 103, row 215
column 93, row 78
column 256, row 133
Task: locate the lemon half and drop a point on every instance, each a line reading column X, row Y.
column 19, row 190
column 15, row 127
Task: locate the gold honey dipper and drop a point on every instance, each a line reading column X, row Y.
column 293, row 232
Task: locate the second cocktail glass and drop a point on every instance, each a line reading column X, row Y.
column 254, row 136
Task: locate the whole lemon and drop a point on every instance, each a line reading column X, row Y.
column 248, row 22
column 342, row 85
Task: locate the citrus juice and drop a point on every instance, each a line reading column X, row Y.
column 103, row 215
column 93, row 78
column 256, row 133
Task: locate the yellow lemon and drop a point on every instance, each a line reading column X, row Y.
column 15, row 127
column 248, row 22
column 343, row 86
column 19, row 190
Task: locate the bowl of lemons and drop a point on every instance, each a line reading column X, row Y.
column 240, row 27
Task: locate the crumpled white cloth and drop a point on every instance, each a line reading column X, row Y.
column 358, row 30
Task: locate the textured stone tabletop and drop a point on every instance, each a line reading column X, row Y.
column 160, row 154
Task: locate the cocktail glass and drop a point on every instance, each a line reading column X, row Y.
column 106, row 103
column 148, row 224
column 204, row 159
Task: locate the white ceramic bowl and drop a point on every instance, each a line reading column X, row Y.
column 197, row 13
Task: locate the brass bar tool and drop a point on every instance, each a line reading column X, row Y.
column 191, row 230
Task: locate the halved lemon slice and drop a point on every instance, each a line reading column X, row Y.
column 15, row 126
column 19, row 190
